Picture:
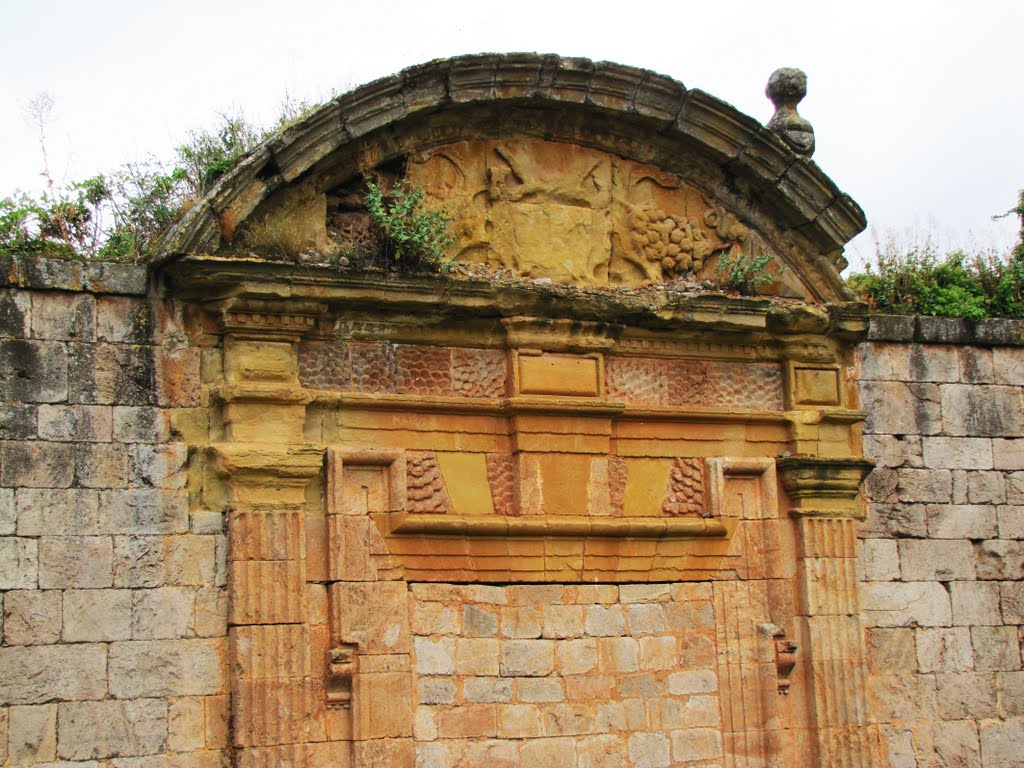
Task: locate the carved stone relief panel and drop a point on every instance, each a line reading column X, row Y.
column 575, row 214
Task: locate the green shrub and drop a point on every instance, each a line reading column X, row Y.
column 921, row 281
column 746, row 274
column 119, row 215
column 410, row 234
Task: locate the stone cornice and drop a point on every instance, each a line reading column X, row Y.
column 274, row 297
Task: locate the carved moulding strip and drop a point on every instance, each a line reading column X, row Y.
column 268, row 319
column 503, row 406
column 570, row 526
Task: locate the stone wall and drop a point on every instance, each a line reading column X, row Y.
column 942, row 552
column 113, row 576
column 112, row 588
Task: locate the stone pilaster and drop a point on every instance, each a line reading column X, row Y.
column 276, row 706
column 825, row 503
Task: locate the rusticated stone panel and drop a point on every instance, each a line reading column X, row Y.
column 694, row 383
column 479, row 372
column 423, row 370
column 424, row 484
column 685, row 492
column 412, row 369
column 325, row 365
column 503, row 478
column 373, row 366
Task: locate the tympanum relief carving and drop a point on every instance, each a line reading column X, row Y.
column 574, row 214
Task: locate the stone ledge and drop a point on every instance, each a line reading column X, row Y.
column 992, row 332
column 570, row 526
column 45, row 273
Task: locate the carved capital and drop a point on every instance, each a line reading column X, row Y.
column 269, row 318
column 266, row 476
column 824, row 487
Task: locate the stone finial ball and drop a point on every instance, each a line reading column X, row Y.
column 787, row 84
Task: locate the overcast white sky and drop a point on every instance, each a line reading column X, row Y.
column 918, row 107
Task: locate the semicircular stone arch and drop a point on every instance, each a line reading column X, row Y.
column 736, row 185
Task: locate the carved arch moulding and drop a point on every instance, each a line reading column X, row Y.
column 568, row 497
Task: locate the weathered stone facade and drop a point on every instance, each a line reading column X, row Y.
column 942, row 556
column 112, row 581
column 261, row 513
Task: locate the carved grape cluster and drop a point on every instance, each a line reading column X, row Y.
column 678, row 244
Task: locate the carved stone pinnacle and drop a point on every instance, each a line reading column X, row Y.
column 786, row 88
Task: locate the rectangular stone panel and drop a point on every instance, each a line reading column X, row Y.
column 551, row 374
column 815, row 386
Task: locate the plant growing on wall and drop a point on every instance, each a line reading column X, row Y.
column 745, row 273
column 412, row 235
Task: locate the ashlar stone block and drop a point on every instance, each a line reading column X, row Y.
column 895, row 408
column 694, row 744
column 33, row 371
column 1000, row 743
column 32, row 617
column 33, row 734
column 476, row 656
column 577, row 657
column 163, row 668
column 966, row 695
column 487, row 690
column 694, row 681
column 105, row 729
column 936, row 560
column 163, row 613
column 897, row 604
column 69, row 562
column 539, row 690
column 1000, row 559
column 605, row 621
column 961, row 521
column 975, row 603
column 434, row 656
column 527, row 658
column 996, row 648
column 957, row 452
column 75, row 423
column 917, row 486
column 944, row 650
column 558, row 752
column 43, row 511
column 604, row 751
column 38, row 674
column 880, row 560
column 8, row 512
column 66, row 316
column 563, row 621
column 891, row 650
column 649, row 750
column 894, row 450
column 37, row 464
column 97, row 615
column 982, row 411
